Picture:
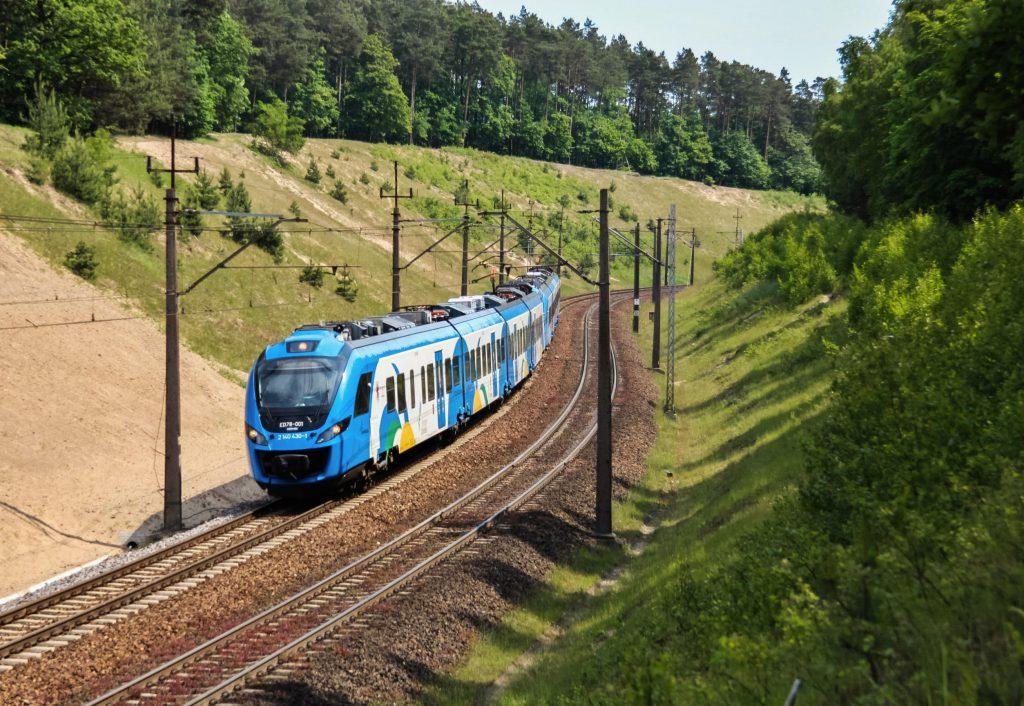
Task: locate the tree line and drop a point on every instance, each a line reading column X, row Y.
column 423, row 71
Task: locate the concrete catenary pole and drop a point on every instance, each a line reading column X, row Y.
column 656, row 297
column 603, row 509
column 396, row 268
column 636, row 278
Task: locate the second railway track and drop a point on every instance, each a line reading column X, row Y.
column 262, row 643
column 52, row 621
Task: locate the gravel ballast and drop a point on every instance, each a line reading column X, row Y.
column 96, row 662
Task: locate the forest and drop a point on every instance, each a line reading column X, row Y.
column 892, row 573
column 425, row 72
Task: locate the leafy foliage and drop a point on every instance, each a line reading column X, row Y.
column 134, row 215
column 347, row 288
column 339, row 192
column 930, row 113
column 375, row 107
column 82, row 168
column 429, row 72
column 314, row 101
column 276, row 129
column 313, row 275
column 313, row 171
column 82, row 261
column 49, row 123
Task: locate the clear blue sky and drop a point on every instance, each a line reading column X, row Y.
column 801, row 35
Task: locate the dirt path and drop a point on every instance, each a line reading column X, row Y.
column 81, row 425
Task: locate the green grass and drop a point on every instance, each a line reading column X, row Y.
column 751, row 377
column 232, row 316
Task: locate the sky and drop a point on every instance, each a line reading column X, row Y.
column 801, row 35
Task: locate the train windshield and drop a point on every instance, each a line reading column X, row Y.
column 297, row 383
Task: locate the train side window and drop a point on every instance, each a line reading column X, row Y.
column 455, row 370
column 476, row 364
column 489, row 353
column 430, row 382
column 447, row 374
column 363, row 389
column 412, row 388
column 401, row 392
column 390, row 386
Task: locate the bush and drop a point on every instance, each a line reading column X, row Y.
column 339, row 192
column 276, row 130
column 374, row 166
column 49, row 123
column 313, row 171
column 224, row 183
column 82, row 261
column 335, row 154
column 38, row 170
column 134, row 215
column 81, row 168
column 347, row 288
column 313, row 275
column 330, row 172
column 364, row 178
column 804, row 253
column 626, row 213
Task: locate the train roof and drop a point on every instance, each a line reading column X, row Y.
column 333, row 338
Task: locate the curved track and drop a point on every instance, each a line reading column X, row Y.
column 261, row 644
column 47, row 623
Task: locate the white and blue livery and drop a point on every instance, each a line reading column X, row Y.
column 337, row 401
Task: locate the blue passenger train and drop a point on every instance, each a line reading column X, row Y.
column 337, row 401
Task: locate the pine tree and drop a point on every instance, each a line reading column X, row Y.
column 224, row 184
column 375, row 106
column 313, row 171
column 49, row 123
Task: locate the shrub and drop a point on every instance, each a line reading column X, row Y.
column 49, row 123
column 330, row 172
column 313, row 171
column 347, row 288
column 293, row 208
column 224, row 183
column 81, row 168
column 374, row 166
column 313, row 275
column 38, row 170
column 364, row 178
column 335, row 154
column 626, row 213
column 82, row 261
column 339, row 192
column 206, row 191
column 134, row 215
column 276, row 130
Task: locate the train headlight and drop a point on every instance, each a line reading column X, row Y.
column 254, row 436
column 332, row 431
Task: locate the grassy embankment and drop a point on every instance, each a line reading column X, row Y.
column 751, row 376
column 230, row 317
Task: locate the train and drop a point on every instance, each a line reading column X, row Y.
column 339, row 401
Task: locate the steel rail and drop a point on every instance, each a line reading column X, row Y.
column 79, row 617
column 309, row 593
column 268, row 663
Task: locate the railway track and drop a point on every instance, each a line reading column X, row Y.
column 47, row 623
column 253, row 649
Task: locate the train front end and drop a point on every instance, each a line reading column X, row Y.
column 294, row 417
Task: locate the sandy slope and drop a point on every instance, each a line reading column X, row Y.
column 81, row 442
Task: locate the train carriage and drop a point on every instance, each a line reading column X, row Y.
column 339, row 400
